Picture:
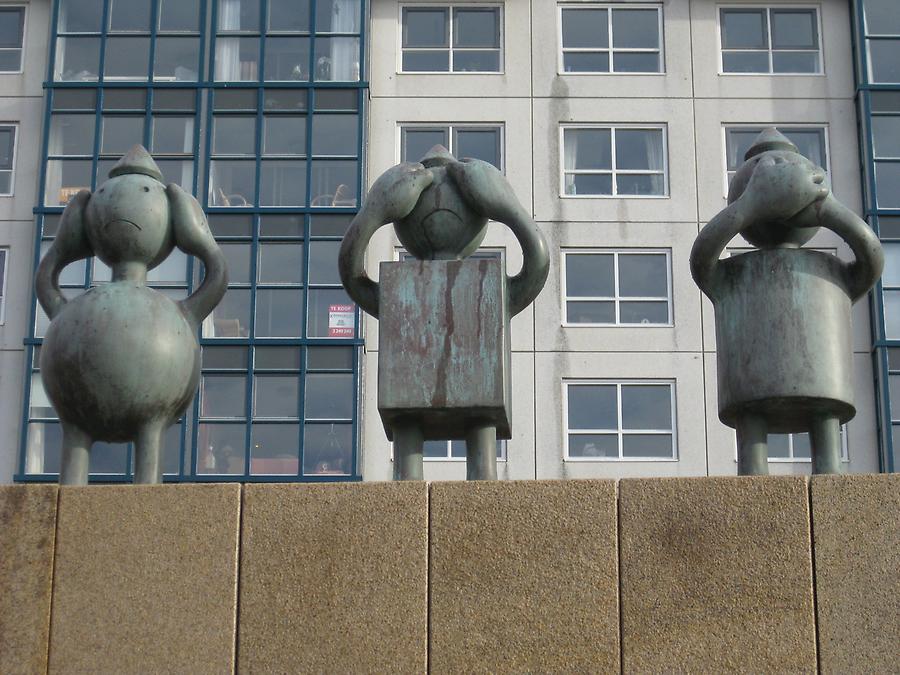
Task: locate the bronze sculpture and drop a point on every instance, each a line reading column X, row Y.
column 444, row 359
column 121, row 362
column 783, row 312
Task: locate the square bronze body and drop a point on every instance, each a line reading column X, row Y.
column 443, row 335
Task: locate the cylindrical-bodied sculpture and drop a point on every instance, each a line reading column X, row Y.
column 121, row 362
column 782, row 312
column 444, row 355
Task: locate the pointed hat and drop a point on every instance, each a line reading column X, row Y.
column 437, row 156
column 770, row 139
column 137, row 160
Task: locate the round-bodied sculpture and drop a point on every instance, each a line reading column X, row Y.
column 121, row 362
column 443, row 369
column 782, row 312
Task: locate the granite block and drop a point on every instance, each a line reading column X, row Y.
column 524, row 577
column 856, row 544
column 146, row 579
column 333, row 578
column 27, row 534
column 716, row 575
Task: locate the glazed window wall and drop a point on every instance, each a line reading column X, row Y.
column 276, row 163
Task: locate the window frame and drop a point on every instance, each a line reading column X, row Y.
column 567, row 432
column 614, row 172
column 769, row 50
column 4, row 275
column 610, row 50
column 617, row 298
column 12, row 169
column 451, row 6
column 791, row 459
column 451, row 128
column 870, row 37
column 21, row 47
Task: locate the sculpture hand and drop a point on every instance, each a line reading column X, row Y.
column 486, row 190
column 779, row 189
column 394, row 195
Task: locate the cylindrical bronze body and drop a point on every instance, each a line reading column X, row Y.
column 783, row 338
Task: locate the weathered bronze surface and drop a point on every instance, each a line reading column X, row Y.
column 783, row 313
column 444, row 331
column 121, row 362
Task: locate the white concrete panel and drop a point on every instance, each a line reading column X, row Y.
column 553, row 369
column 550, row 80
column 18, row 239
column 677, row 114
column 11, row 377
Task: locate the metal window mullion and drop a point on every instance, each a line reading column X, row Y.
column 154, row 22
column 101, row 76
column 619, row 431
column 771, row 46
column 613, row 160
column 609, row 39
column 304, row 305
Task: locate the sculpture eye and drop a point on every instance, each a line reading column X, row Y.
column 146, row 189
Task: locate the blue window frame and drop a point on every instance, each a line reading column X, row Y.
column 274, row 155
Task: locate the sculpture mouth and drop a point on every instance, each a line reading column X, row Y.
column 122, row 220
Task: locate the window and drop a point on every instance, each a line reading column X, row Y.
column 610, row 39
column 886, row 147
column 7, row 158
column 454, row 39
column 435, row 451
column 3, row 256
column 882, row 26
column 811, row 141
column 480, row 141
column 777, row 40
column 12, row 32
column 613, row 161
column 796, row 447
column 631, row 420
column 890, row 283
column 617, row 288
column 893, row 358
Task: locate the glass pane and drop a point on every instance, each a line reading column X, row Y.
column 585, row 28
column 125, row 99
column 173, row 135
column 40, row 405
column 644, row 312
column 779, row 446
column 174, row 99
column 483, row 144
column 235, row 99
column 232, row 183
column 234, row 135
column 646, row 445
column 323, row 267
column 884, row 60
column 238, row 15
column 223, row 396
column 639, row 149
column 178, row 171
column 882, row 17
column 435, row 449
column 80, row 16
column 640, row 185
column 278, row 312
column 337, row 99
column 418, row 62
column 886, row 136
column 592, row 406
column 337, row 16
column 795, row 62
column 230, row 358
column 634, row 62
column 587, row 148
column 126, row 58
column 75, row 99
column 65, row 178
column 276, row 396
column 172, row 270
column 887, row 178
column 179, row 15
column 891, row 276
column 801, row 445
column 892, row 314
column 282, row 183
column 120, row 134
column 284, row 135
column 281, row 226
column 71, row 135
column 335, row 135
column 12, row 22
column 237, row 59
column 591, row 312
column 231, row 317
column 334, row 183
column 287, row 59
column 643, row 275
column 230, row 225
column 329, row 225
column 327, row 449
column 590, row 275
column 425, row 27
column 329, row 396
column 329, row 358
column 636, row 28
column 745, row 62
column 130, row 15
column 289, row 16
column 220, row 448
column 172, row 462
column 10, row 60
column 588, row 184
column 738, row 142
column 108, row 458
column 881, row 101
column 575, row 62
column 476, row 62
column 280, row 264
column 278, row 358
column 284, row 99
column 417, row 142
column 593, row 445
column 794, row 29
column 43, row 448
column 744, row 29
column 275, row 449
column 646, row 406
column 337, row 59
column 475, row 27
column 810, row 142
column 237, row 257
column 77, row 59
column 331, row 314
column 177, row 59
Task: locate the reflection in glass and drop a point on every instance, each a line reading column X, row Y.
column 416, row 142
column 276, row 396
column 327, row 448
column 129, row 16
column 234, row 135
column 237, row 59
column 230, row 225
column 180, row 171
column 172, row 270
column 290, row 15
column 335, row 135
column 329, row 396
column 231, row 317
column 126, row 58
column 334, row 183
column 591, row 312
column 323, row 257
column 237, row 257
column 285, row 135
column 337, row 59
column 77, row 59
column 43, row 448
column 71, row 135
column 644, row 312
column 275, row 449
column 282, row 183
column 108, row 458
column 179, row 15
column 220, row 448
column 172, row 135
column 478, row 143
column 65, row 178
column 287, row 59
column 281, row 226
column 176, row 59
column 280, row 263
column 224, row 358
column 646, row 406
column 744, row 29
column 80, row 16
column 278, row 312
column 277, row 358
column 40, row 405
column 476, row 27
column 589, row 149
column 590, row 275
column 643, row 275
column 639, row 149
column 238, row 15
column 647, row 445
column 232, row 182
column 329, row 358
column 120, row 134
column 592, row 406
column 593, row 445
column 223, row 396
column 337, row 16
column 635, row 28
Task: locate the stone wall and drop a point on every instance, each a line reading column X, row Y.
column 644, row 575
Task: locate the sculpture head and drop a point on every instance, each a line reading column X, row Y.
column 441, row 226
column 128, row 219
column 772, row 144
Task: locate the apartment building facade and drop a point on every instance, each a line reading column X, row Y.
column 617, row 123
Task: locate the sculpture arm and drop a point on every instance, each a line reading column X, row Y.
column 192, row 236
column 527, row 284
column 70, row 244
column 712, row 240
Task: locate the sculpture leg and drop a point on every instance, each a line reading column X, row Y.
column 753, row 447
column 481, row 452
column 408, row 442
column 148, row 454
column 825, row 439
column 76, row 456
